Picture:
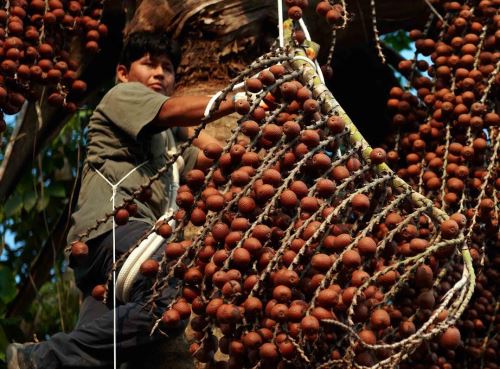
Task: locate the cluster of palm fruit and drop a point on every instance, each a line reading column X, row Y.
column 310, row 252
column 35, row 41
column 446, row 146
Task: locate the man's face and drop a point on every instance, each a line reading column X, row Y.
column 157, row 73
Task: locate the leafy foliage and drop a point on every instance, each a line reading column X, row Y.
column 28, row 217
column 399, row 40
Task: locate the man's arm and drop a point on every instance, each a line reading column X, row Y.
column 187, row 111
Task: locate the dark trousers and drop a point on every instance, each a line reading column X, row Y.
column 91, row 343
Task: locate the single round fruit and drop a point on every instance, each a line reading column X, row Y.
column 380, row 319
column 450, row 339
column 149, row 268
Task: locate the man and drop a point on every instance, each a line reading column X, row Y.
column 125, row 145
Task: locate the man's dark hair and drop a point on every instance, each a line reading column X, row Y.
column 139, row 44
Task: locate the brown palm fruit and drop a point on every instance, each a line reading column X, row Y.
column 407, row 328
column 220, row 231
column 174, row 250
column 272, row 132
column 288, row 199
column 232, row 239
column 426, row 299
column 340, row 172
column 250, row 158
column 325, row 187
column 164, row 229
column 250, row 128
column 121, row 216
column 149, row 268
column 424, row 277
column 252, row 245
column 449, row 229
column 268, row 350
column 240, row 224
column 198, row 217
column 240, row 177
column 195, row 178
column 310, row 106
column 348, row 295
column 328, row 298
column 253, row 84
column 228, row 313
column 360, row 203
column 311, row 230
column 367, row 245
column 368, row 336
column 242, row 106
column 322, row 313
column 252, row 306
column 309, row 325
column 341, row 241
column 79, row 251
column 232, row 288
column 241, row 258
column 246, row 205
column 380, row 319
column 323, row 7
column 450, row 339
column 310, row 138
column 321, row 262
column 286, row 277
column 388, row 278
column 266, row 77
column 321, row 161
column 309, row 204
column 288, row 90
column 418, row 245
column 296, row 312
column 336, row 124
column 351, row 259
column 272, row 177
column 378, row 156
column 264, row 192
column 170, row 318
column 282, row 294
column 98, row 292
column 212, row 150
column 193, row 276
column 358, row 277
column 215, row 202
column 277, row 70
column 299, row 188
column 261, row 232
column 291, row 129
column 184, row 199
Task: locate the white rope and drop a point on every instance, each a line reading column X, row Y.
column 113, row 195
column 131, row 267
column 214, row 97
column 308, row 38
column 280, row 24
column 306, row 59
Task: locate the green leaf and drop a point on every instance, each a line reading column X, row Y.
column 13, row 205
column 43, row 202
column 399, row 40
column 56, row 190
column 7, row 284
column 29, row 200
